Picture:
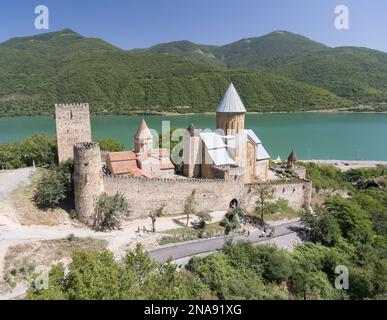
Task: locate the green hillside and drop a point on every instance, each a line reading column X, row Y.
column 353, row 73
column 359, row 74
column 193, row 51
column 266, row 51
column 38, row 71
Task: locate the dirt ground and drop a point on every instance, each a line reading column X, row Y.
column 28, row 214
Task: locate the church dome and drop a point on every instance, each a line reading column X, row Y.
column 231, row 102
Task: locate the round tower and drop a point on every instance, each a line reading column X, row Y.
column 88, row 179
column 230, row 114
column 143, row 139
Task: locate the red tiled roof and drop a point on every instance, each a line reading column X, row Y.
column 120, row 167
column 121, row 156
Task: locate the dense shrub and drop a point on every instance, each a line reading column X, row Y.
column 109, row 211
column 110, row 145
column 50, row 190
column 38, row 149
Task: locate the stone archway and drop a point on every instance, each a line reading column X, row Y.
column 233, row 204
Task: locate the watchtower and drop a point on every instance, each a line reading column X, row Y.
column 88, row 179
column 72, row 127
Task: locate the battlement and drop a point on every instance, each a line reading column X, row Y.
column 162, row 179
column 71, row 105
column 86, row 145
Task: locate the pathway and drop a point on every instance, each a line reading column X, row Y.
column 193, row 248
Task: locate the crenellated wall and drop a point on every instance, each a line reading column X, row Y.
column 145, row 195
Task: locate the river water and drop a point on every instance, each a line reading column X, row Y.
column 345, row 136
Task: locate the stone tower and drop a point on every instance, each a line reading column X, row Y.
column 72, row 127
column 230, row 114
column 143, row 139
column 191, row 153
column 88, row 179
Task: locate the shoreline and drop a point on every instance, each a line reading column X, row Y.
column 345, row 165
column 166, row 113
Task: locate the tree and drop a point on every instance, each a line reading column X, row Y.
column 154, row 215
column 38, row 149
column 354, row 222
column 321, row 227
column 276, row 264
column 203, row 218
column 109, row 211
column 50, row 190
column 313, row 286
column 110, row 145
column 56, row 286
column 231, row 219
column 65, row 170
column 189, row 206
column 263, row 205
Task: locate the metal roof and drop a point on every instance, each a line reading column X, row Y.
column 236, row 140
column 231, row 102
column 220, row 156
column 252, row 135
column 212, row 140
column 262, row 153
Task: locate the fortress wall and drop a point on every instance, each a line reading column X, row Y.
column 298, row 194
column 145, row 195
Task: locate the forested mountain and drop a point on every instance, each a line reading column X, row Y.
column 277, row 72
column 359, row 74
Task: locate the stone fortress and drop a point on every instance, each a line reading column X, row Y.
column 228, row 165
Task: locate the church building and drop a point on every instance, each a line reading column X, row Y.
column 230, row 149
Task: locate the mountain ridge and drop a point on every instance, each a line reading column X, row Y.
column 64, row 66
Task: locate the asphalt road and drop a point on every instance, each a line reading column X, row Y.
column 193, row 248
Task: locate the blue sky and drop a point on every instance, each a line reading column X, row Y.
column 141, row 23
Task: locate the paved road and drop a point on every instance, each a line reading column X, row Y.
column 193, row 248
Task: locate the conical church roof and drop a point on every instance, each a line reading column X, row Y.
column 231, row 102
column 292, row 157
column 143, row 131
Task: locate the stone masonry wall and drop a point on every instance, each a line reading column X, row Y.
column 72, row 127
column 88, row 182
column 145, row 195
column 298, row 194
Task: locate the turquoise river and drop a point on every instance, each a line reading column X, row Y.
column 344, row 136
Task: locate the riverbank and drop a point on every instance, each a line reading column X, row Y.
column 359, row 110
column 345, row 165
